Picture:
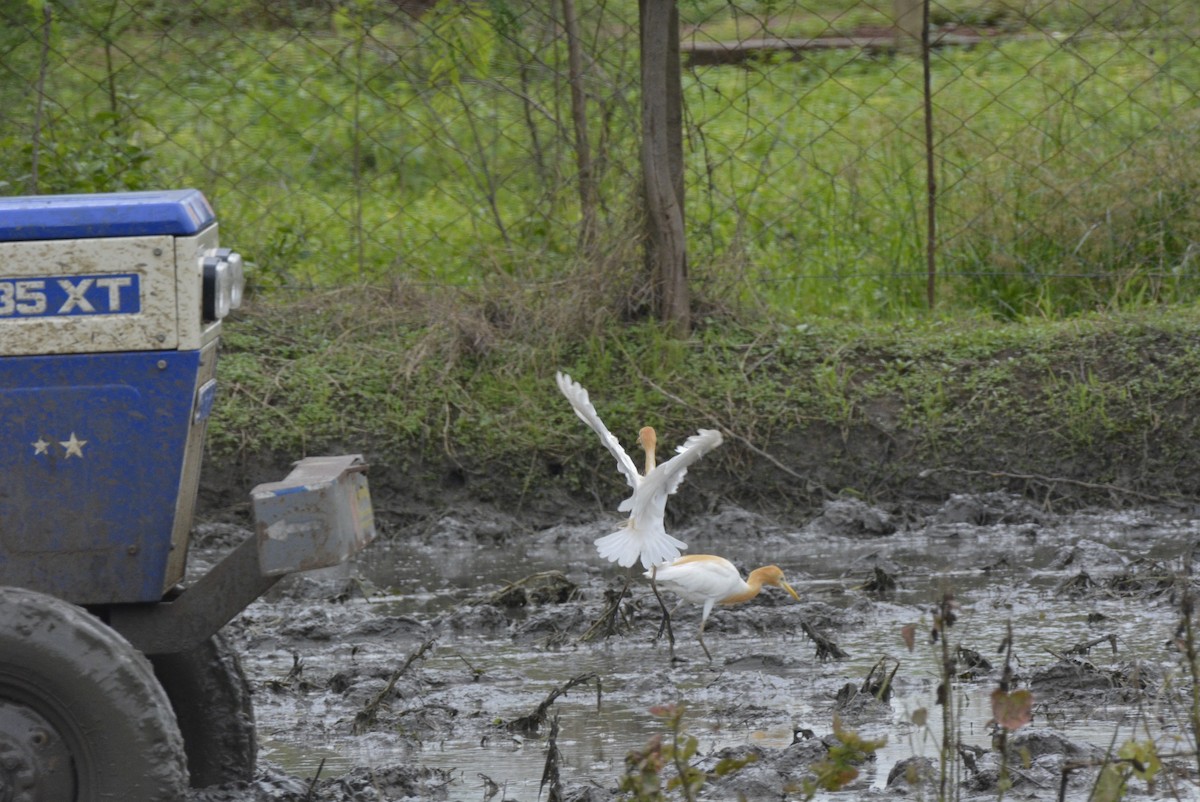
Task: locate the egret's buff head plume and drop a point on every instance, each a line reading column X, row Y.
column 771, row 575
column 647, row 439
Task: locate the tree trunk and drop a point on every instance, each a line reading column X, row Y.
column 583, row 153
column 662, row 163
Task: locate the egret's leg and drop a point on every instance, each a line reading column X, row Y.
column 700, row 638
column 703, row 621
column 666, row 619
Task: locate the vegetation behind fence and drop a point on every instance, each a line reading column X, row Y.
column 434, row 143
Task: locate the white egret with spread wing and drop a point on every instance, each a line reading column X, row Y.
column 710, row 580
column 643, row 536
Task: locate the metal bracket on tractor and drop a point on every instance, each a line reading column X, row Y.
column 111, row 308
column 317, row 517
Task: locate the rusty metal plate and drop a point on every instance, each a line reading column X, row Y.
column 317, row 517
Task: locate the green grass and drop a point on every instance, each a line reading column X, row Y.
column 837, row 204
column 372, row 147
column 719, row 20
column 877, row 411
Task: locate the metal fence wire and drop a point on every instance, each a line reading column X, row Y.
column 435, row 140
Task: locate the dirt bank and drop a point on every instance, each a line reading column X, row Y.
column 1096, row 411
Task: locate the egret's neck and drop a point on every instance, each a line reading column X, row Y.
column 648, row 440
column 753, row 586
column 767, row 575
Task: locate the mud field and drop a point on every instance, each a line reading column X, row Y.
column 455, row 656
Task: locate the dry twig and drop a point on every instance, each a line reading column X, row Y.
column 529, row 725
column 365, row 718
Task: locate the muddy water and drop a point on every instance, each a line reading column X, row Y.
column 324, row 648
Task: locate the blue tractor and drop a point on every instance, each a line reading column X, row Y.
column 114, row 680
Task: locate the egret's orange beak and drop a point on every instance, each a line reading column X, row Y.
column 788, row 588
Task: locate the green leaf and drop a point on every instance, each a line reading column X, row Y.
column 1110, row 785
column 1143, row 759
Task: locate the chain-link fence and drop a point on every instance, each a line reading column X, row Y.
column 436, row 141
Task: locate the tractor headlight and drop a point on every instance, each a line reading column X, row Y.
column 224, row 279
column 237, row 278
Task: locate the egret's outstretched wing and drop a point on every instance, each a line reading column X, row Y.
column 650, row 497
column 693, row 449
column 587, row 413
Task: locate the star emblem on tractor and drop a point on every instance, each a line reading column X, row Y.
column 74, row 446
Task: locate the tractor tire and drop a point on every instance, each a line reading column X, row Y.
column 82, row 716
column 212, row 703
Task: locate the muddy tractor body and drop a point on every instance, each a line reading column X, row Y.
column 114, row 680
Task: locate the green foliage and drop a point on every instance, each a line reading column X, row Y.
column 1143, row 759
column 1135, row 760
column 96, row 156
column 464, row 42
column 376, row 145
column 1111, row 784
column 839, row 767
column 643, row 780
column 1024, row 229
column 427, row 379
column 833, row 382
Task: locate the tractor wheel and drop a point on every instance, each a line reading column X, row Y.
column 81, row 715
column 212, row 704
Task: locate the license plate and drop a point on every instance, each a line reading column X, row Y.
column 71, row 296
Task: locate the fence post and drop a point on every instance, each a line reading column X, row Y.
column 930, row 165
column 662, row 163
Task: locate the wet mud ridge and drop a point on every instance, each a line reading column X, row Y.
column 472, row 658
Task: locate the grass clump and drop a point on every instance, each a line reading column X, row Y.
column 1093, row 408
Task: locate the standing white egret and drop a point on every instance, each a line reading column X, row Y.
column 643, row 536
column 709, row 580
